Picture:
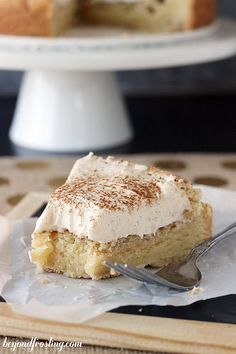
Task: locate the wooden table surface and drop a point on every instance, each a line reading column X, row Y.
column 19, row 176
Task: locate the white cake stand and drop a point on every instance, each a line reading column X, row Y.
column 69, row 100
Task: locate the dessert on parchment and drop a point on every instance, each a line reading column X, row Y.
column 53, row 17
column 116, row 210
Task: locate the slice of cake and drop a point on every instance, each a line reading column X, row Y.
column 150, row 15
column 118, row 211
column 37, row 17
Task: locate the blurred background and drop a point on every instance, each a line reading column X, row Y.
column 191, row 108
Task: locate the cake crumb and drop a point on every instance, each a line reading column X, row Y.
column 44, row 281
column 22, row 241
column 30, row 256
column 113, row 272
column 196, row 290
column 90, row 301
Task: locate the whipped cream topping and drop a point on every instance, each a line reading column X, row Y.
column 107, row 199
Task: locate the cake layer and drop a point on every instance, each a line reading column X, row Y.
column 150, row 15
column 63, row 252
column 106, row 199
column 52, row 17
column 36, row 17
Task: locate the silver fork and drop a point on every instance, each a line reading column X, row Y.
column 184, row 275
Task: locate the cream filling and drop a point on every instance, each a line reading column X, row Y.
column 63, row 3
column 65, row 14
column 117, row 1
column 166, row 15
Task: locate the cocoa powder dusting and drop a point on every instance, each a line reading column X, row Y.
column 114, row 193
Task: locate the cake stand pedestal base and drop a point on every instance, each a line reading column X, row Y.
column 62, row 111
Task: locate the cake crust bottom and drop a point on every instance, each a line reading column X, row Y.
column 66, row 254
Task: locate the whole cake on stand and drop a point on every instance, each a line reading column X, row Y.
column 69, row 100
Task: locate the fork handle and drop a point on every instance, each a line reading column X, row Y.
column 207, row 245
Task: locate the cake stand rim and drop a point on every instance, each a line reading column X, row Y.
column 92, row 55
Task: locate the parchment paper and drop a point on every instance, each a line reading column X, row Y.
column 56, row 297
